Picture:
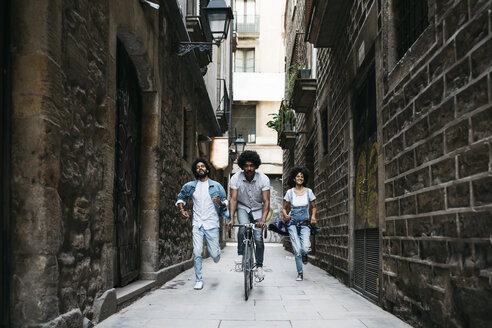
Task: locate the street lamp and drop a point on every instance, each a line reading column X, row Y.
column 240, row 143
column 218, row 16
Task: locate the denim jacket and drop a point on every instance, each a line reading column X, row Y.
column 214, row 189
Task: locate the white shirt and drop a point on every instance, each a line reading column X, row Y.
column 204, row 213
column 290, row 196
column 249, row 193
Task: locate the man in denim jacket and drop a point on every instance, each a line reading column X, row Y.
column 209, row 202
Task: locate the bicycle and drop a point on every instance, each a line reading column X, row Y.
column 249, row 258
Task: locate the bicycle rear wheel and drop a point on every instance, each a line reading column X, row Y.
column 247, row 269
column 252, row 259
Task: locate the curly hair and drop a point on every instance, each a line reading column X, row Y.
column 200, row 160
column 294, row 172
column 249, row 156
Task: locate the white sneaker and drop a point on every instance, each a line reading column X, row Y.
column 238, row 260
column 198, row 285
column 260, row 274
column 216, row 259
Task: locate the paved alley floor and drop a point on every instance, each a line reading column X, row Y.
column 278, row 301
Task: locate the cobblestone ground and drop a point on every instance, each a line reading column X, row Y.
column 278, row 301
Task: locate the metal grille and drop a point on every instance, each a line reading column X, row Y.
column 412, row 15
column 366, row 262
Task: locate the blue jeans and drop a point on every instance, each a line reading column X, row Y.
column 212, row 236
column 301, row 244
column 245, row 218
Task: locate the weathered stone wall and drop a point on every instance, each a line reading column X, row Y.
column 437, row 128
column 64, row 121
column 435, row 125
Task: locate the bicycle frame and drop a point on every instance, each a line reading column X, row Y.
column 249, row 258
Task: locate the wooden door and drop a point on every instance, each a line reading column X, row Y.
column 126, row 168
column 366, row 231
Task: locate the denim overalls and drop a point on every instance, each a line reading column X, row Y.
column 299, row 230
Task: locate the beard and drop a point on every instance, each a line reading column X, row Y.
column 201, row 174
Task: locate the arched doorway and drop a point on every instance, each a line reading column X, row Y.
column 127, row 149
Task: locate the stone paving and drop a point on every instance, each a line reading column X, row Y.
column 277, row 302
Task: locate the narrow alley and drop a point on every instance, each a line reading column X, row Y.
column 277, row 302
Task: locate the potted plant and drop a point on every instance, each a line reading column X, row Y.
column 284, row 120
column 303, row 72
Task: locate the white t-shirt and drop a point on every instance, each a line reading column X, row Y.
column 204, row 213
column 294, row 200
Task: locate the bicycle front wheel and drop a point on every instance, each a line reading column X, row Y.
column 247, row 269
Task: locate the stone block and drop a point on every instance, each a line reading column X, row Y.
column 457, row 136
column 390, row 130
column 458, row 195
column 388, row 188
column 481, row 191
column 430, row 201
column 401, row 228
column 441, row 116
column 397, row 144
column 475, row 224
column 481, row 60
column 417, row 132
column 474, row 96
column 406, row 162
column 433, row 251
column 395, row 247
column 417, row 83
column 105, row 305
column 419, row 227
column 390, row 228
column 412, row 182
column 150, row 132
column 36, row 151
column 455, row 19
column 407, row 205
column 474, row 161
column 34, row 288
column 444, row 225
column 457, row 77
column 472, row 34
column 442, row 61
column 404, row 119
column 410, row 248
column 482, row 125
column 430, row 98
column 431, row 149
column 391, row 169
column 36, row 220
column 443, row 171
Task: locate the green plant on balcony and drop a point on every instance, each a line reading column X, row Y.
column 284, row 120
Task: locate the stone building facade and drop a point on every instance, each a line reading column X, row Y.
column 102, row 124
column 398, row 135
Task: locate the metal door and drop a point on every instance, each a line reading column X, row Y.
column 126, row 168
column 366, row 231
column 5, row 161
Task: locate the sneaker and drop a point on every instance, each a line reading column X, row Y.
column 198, row 285
column 304, row 258
column 239, row 260
column 260, row 274
column 299, row 277
column 216, row 259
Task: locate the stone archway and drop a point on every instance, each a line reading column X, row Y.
column 148, row 186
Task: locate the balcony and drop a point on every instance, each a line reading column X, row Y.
column 304, row 92
column 324, row 18
column 248, row 25
column 198, row 30
column 286, row 132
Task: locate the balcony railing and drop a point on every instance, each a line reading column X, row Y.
column 248, row 24
column 223, row 108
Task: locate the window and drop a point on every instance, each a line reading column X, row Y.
column 244, row 122
column 411, row 22
column 245, row 60
column 246, row 7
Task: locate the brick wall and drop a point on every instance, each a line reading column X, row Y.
column 437, row 127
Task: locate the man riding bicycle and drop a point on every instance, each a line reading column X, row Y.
column 250, row 196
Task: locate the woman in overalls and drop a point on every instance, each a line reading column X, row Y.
column 300, row 199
